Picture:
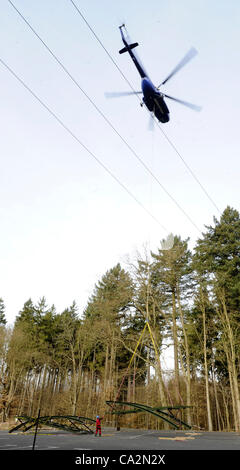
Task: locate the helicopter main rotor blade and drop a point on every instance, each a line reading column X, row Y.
column 195, row 107
column 189, row 56
column 118, row 94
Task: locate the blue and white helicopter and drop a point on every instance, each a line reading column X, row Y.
column 152, row 97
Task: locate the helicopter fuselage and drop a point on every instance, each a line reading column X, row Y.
column 154, row 101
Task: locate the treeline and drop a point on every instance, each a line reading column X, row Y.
column 71, row 363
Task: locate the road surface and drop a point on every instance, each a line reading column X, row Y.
column 128, row 439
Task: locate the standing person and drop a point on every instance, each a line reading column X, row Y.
column 98, row 426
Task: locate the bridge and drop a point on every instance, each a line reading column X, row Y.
column 166, row 413
column 77, row 424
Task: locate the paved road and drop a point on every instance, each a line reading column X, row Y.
column 133, row 439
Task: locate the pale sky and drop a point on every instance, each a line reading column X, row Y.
column 64, row 220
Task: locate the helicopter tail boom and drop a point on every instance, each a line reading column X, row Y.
column 128, row 48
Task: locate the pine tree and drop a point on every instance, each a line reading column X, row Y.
column 172, row 273
column 3, row 320
column 108, row 310
column 218, row 254
column 150, row 303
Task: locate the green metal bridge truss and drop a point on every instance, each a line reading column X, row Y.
column 78, row 424
column 84, row 425
column 163, row 412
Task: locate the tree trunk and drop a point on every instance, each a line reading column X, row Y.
column 230, row 347
column 175, row 345
column 209, row 415
column 188, row 372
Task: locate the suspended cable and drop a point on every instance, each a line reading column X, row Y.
column 52, row 113
column 187, row 166
column 102, row 45
column 103, row 115
column 163, row 132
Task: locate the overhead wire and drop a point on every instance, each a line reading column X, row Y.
column 67, row 129
column 187, row 166
column 159, row 127
column 102, row 45
column 99, row 110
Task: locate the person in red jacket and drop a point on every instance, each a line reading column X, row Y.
column 98, row 426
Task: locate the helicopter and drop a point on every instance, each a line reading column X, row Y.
column 152, row 97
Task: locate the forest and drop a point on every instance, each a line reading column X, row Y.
column 70, row 363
